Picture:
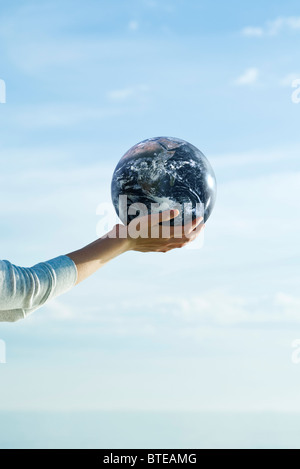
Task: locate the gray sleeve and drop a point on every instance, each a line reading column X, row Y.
column 22, row 289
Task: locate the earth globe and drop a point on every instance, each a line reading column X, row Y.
column 163, row 173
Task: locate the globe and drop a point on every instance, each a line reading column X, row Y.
column 163, row 173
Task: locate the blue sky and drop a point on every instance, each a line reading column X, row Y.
column 193, row 329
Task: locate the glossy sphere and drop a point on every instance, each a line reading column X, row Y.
column 168, row 172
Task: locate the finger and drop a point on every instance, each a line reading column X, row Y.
column 166, row 215
column 184, row 230
column 195, row 223
column 195, row 232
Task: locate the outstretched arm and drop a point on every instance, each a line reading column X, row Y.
column 23, row 290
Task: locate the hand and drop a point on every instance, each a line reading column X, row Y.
column 146, row 234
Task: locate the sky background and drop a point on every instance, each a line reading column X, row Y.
column 195, row 329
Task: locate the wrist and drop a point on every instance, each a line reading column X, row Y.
column 120, row 237
column 125, row 244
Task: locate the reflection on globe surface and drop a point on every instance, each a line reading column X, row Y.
column 163, row 173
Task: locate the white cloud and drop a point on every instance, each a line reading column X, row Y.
column 121, row 94
column 249, row 77
column 289, row 305
column 124, row 94
column 287, row 80
column 183, row 314
column 273, row 27
column 134, row 316
column 254, row 157
column 212, row 307
column 257, row 216
column 133, row 25
column 60, row 310
column 252, row 31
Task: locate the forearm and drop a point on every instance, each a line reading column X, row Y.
column 93, row 256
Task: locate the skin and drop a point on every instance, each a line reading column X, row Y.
column 143, row 234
